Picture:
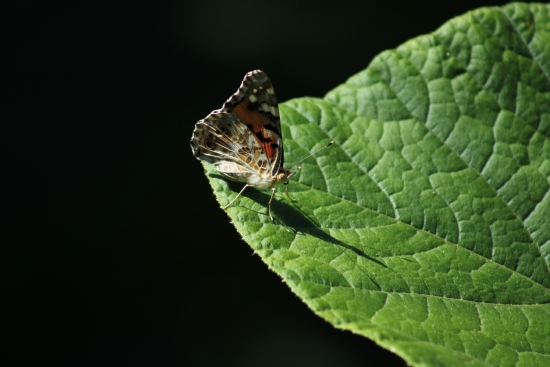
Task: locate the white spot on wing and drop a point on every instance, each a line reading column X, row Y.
column 270, row 91
column 265, row 107
column 252, row 98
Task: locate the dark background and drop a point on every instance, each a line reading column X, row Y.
column 114, row 250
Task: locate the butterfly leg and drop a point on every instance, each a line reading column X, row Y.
column 239, row 194
column 269, row 204
column 288, row 194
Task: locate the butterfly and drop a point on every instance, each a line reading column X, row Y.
column 243, row 138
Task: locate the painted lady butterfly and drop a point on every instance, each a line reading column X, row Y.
column 243, row 138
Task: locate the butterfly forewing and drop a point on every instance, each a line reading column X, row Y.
column 255, row 103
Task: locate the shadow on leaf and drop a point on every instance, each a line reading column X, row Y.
column 292, row 217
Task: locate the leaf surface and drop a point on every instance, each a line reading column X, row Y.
column 426, row 226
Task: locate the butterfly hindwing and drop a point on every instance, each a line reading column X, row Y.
column 221, row 139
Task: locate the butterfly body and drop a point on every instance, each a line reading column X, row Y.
column 243, row 139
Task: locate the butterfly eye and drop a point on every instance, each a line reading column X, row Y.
column 209, row 144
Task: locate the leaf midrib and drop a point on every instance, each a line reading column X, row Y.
column 444, row 298
column 444, row 241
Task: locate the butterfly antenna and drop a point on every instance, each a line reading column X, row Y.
column 317, row 151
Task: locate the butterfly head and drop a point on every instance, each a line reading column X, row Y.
column 283, row 176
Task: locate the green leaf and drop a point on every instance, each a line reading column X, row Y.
column 426, row 226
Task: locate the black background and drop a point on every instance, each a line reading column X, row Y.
column 114, row 250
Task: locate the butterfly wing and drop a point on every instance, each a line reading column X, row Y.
column 255, row 104
column 223, row 140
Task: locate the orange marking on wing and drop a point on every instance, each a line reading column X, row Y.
column 258, row 121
